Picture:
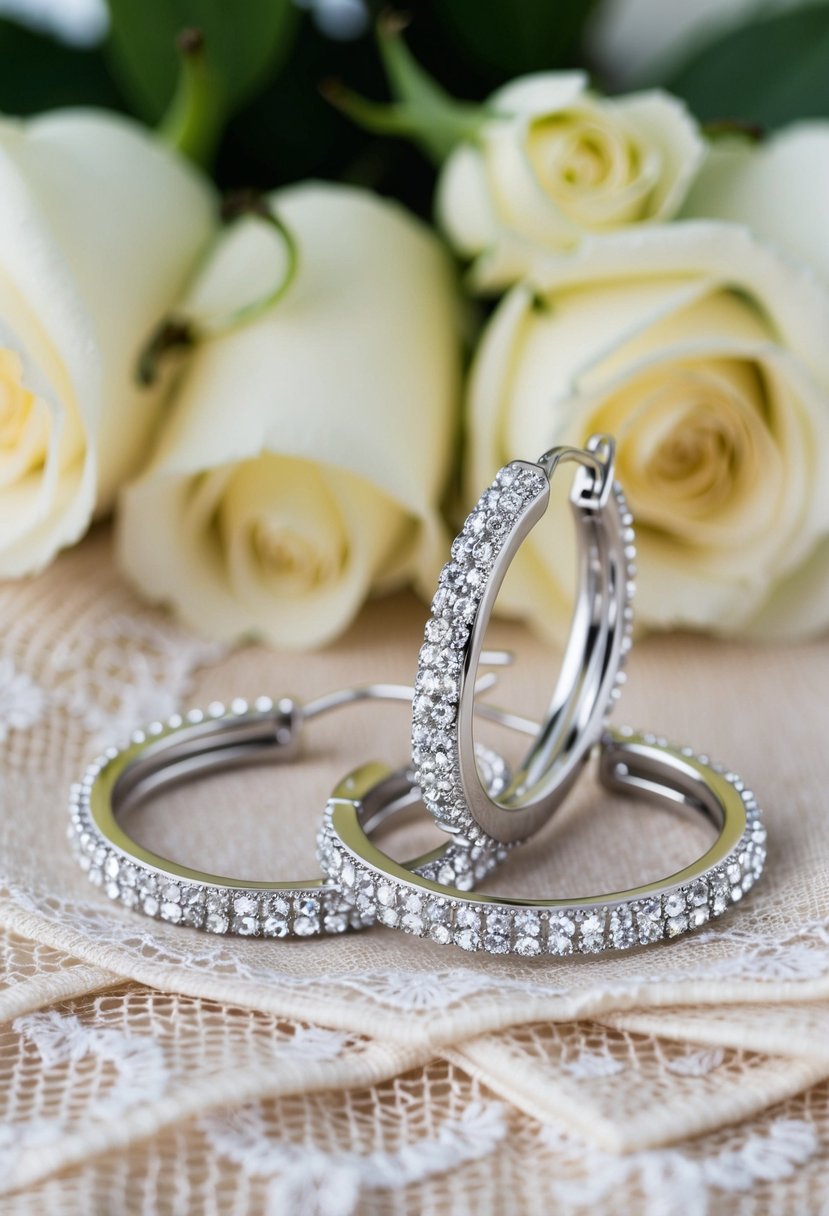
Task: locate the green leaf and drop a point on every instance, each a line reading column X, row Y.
column 245, row 43
column 771, row 72
column 510, row 39
column 40, row 73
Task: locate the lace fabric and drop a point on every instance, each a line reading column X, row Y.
column 148, row 1067
column 437, row 1140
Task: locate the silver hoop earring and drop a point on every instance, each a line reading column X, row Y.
column 600, row 635
column 198, row 743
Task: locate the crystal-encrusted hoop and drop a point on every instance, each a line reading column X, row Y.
column 203, row 741
column 591, row 676
column 540, row 927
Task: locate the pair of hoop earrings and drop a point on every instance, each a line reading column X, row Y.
column 484, row 808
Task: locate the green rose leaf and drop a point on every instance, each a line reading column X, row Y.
column 245, row 42
column 771, row 72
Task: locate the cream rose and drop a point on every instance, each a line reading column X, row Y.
column 307, row 449
column 705, row 353
column 99, row 227
column 778, row 187
column 556, row 163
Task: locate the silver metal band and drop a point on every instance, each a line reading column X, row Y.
column 442, row 720
column 201, row 742
column 628, row 762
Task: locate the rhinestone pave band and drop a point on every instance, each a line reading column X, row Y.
column 164, row 891
column 556, row 928
column 439, row 685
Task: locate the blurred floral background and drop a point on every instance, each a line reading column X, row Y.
column 283, row 284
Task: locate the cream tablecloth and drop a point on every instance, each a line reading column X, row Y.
column 148, row 1068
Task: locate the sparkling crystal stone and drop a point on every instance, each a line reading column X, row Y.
column 699, row 892
column 560, row 933
column 484, row 552
column 498, row 922
column 171, row 911
column 335, row 922
column 440, row 933
column 676, row 925
column 476, row 524
column 465, row 607
column 307, row 906
column 306, row 926
column 216, row 922
column 386, row 895
column 275, row 925
column 112, row 889
column 422, row 706
column 510, row 502
column 527, row 946
column 96, row 875
column 438, row 629
column 389, row 916
column 649, row 920
column 412, row 902
column 496, row 525
column 733, row 872
column 412, row 923
column 528, row 922
column 699, row 915
column 443, row 714
column 467, row 939
column 674, row 904
column 112, row 866
column 129, row 897
column 496, row 943
column 622, row 933
column 428, row 682
column 444, row 598
column 150, row 905
column 365, row 903
column 193, row 915
column 592, row 932
column 446, row 875
column 246, row 925
column 171, row 892
column 347, row 874
column 468, row 918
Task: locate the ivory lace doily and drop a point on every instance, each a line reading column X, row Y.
column 144, row 1067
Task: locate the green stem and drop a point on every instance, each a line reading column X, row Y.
column 196, row 116
column 422, row 111
column 179, row 332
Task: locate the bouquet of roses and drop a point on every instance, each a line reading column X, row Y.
column 284, row 393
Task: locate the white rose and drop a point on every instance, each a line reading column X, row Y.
column 99, row 227
column 705, row 353
column 778, row 187
column 307, row 449
column 556, row 163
